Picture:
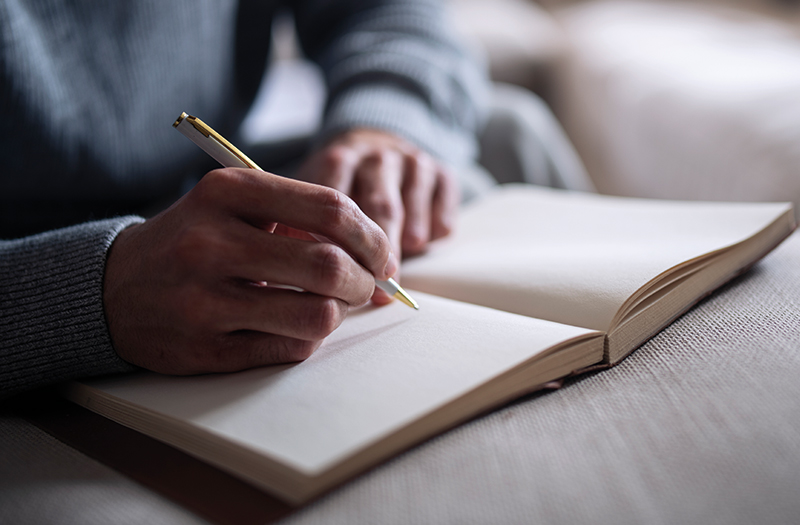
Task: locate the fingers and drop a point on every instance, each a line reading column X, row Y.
column 418, row 191
column 406, row 192
column 446, row 199
column 261, row 199
column 251, row 307
column 431, row 198
column 243, row 350
column 240, row 325
column 334, row 167
column 179, row 288
column 227, row 353
column 376, row 189
column 245, row 253
column 236, row 326
column 179, row 292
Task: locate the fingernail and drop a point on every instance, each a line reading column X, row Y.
column 391, row 266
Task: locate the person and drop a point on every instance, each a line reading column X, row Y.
column 88, row 93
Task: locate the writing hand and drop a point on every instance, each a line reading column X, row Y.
column 403, row 189
column 187, row 291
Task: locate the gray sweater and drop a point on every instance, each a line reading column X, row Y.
column 88, row 92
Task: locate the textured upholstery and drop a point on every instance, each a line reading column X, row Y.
column 700, row 425
column 683, row 100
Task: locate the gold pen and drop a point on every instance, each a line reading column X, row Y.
column 229, row 156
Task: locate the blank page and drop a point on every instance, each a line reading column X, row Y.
column 383, row 368
column 574, row 258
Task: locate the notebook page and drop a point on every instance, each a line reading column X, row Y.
column 383, row 368
column 574, row 258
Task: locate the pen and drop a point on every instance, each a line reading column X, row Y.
column 230, row 157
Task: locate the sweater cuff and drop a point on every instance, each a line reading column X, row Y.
column 52, row 323
column 398, row 111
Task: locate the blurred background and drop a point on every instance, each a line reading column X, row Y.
column 665, row 99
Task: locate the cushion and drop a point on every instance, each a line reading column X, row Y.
column 682, row 100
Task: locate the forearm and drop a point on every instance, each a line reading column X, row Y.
column 52, row 323
column 396, row 66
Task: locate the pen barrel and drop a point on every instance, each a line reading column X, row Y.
column 210, row 145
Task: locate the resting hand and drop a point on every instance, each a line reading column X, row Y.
column 187, row 291
column 398, row 186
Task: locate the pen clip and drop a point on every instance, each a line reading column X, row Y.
column 205, row 130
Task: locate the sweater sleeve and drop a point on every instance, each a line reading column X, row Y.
column 396, row 66
column 52, row 323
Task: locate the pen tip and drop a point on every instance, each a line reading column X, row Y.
column 403, row 297
column 393, row 289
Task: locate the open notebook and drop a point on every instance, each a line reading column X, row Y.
column 535, row 285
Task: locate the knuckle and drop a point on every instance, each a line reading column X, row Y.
column 324, row 317
column 332, row 271
column 385, row 158
column 420, row 170
column 426, row 161
column 293, row 350
column 335, row 156
column 337, row 209
column 212, row 181
column 383, row 207
column 365, row 293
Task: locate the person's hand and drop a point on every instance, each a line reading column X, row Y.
column 400, row 187
column 189, row 291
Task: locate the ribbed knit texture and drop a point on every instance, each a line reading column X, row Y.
column 403, row 52
column 52, row 325
column 88, row 93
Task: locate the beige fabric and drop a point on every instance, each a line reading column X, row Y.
column 683, row 100
column 43, row 481
column 519, row 39
column 700, row 425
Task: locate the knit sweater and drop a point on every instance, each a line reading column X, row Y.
column 88, row 92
